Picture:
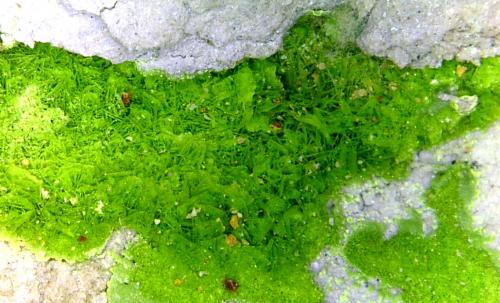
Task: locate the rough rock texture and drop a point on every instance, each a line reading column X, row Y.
column 389, row 202
column 363, row 7
column 27, row 278
column 342, row 282
column 385, row 202
column 180, row 36
column 484, row 150
column 480, row 149
column 175, row 36
column 425, row 32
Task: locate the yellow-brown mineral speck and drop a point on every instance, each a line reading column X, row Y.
column 25, row 162
column 235, row 221
column 231, row 240
column 461, row 70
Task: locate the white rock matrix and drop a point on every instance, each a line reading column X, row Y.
column 175, row 36
column 182, row 37
column 28, row 278
column 425, row 32
column 389, row 201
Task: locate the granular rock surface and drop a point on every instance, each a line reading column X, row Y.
column 388, row 201
column 182, row 37
column 426, row 32
column 29, row 278
column 175, row 36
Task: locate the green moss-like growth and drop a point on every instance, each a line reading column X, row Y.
column 449, row 266
column 270, row 140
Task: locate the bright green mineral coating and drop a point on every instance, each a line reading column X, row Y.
column 272, row 139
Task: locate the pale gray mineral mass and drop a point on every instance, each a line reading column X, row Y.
column 387, row 202
column 425, row 32
column 180, row 36
column 175, row 36
column 29, row 278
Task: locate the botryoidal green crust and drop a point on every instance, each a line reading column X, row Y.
column 269, row 142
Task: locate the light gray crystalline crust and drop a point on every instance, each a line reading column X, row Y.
column 425, row 32
column 363, row 7
column 175, row 36
column 91, row 6
column 343, row 283
column 28, row 278
column 180, row 36
column 387, row 202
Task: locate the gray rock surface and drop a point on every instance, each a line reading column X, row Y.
column 189, row 36
column 343, row 283
column 386, row 202
column 363, row 7
column 425, row 32
column 180, row 36
column 29, row 278
column 176, row 36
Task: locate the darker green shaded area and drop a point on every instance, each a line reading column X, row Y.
column 449, row 266
column 271, row 139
